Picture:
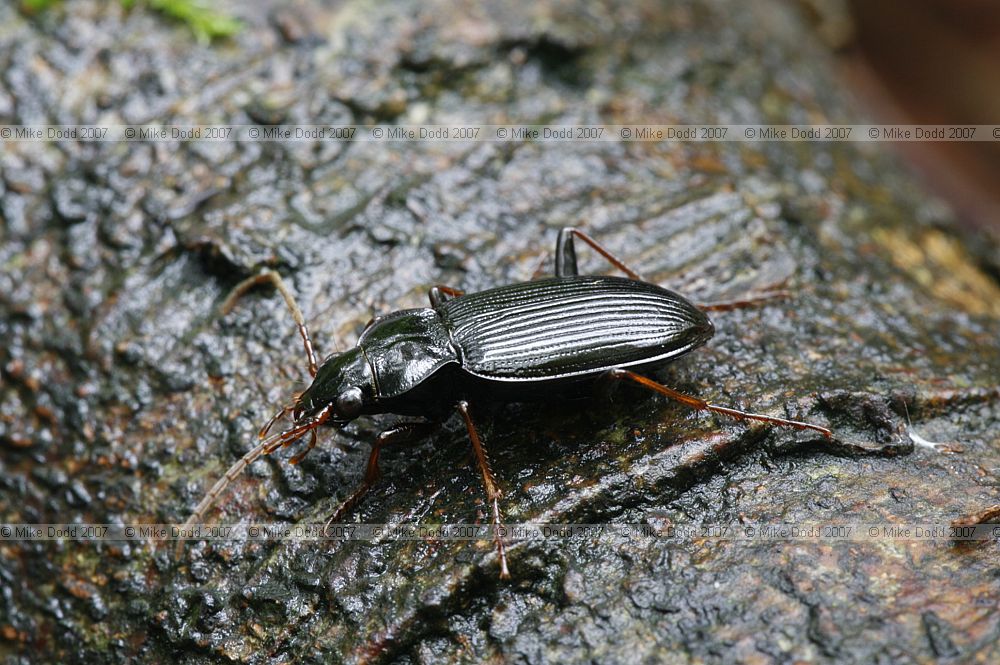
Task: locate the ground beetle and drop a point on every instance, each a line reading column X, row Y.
column 527, row 341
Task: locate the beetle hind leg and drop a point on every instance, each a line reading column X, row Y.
column 440, row 294
column 566, row 254
column 702, row 405
column 760, row 296
column 490, row 484
column 742, row 303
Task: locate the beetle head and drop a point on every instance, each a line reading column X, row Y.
column 339, row 393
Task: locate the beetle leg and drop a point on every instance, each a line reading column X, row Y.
column 295, row 432
column 539, row 271
column 440, row 294
column 566, row 254
column 753, row 301
column 270, row 276
column 764, row 294
column 493, row 492
column 399, row 434
column 702, row 405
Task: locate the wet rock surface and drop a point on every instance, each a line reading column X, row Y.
column 124, row 393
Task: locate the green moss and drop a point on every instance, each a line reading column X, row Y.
column 206, row 23
column 35, row 6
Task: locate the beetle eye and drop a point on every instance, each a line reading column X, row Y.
column 349, row 403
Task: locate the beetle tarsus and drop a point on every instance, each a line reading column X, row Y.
column 702, row 405
column 493, row 492
column 297, row 457
column 281, row 413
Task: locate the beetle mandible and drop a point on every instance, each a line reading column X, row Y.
column 525, row 341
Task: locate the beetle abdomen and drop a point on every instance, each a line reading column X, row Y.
column 569, row 326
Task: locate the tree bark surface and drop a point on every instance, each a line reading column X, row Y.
column 125, row 393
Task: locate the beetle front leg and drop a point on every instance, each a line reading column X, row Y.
column 399, row 434
column 702, row 405
column 566, row 254
column 493, row 492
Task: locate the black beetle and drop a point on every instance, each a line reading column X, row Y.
column 527, row 341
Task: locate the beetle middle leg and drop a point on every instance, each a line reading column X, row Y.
column 490, row 484
column 702, row 405
column 401, row 433
column 271, row 277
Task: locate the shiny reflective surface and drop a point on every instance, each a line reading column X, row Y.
column 405, row 348
column 570, row 326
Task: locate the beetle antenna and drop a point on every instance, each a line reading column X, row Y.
column 266, row 446
column 270, row 276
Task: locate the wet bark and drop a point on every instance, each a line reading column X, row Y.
column 124, row 393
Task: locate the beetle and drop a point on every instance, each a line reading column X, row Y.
column 525, row 341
